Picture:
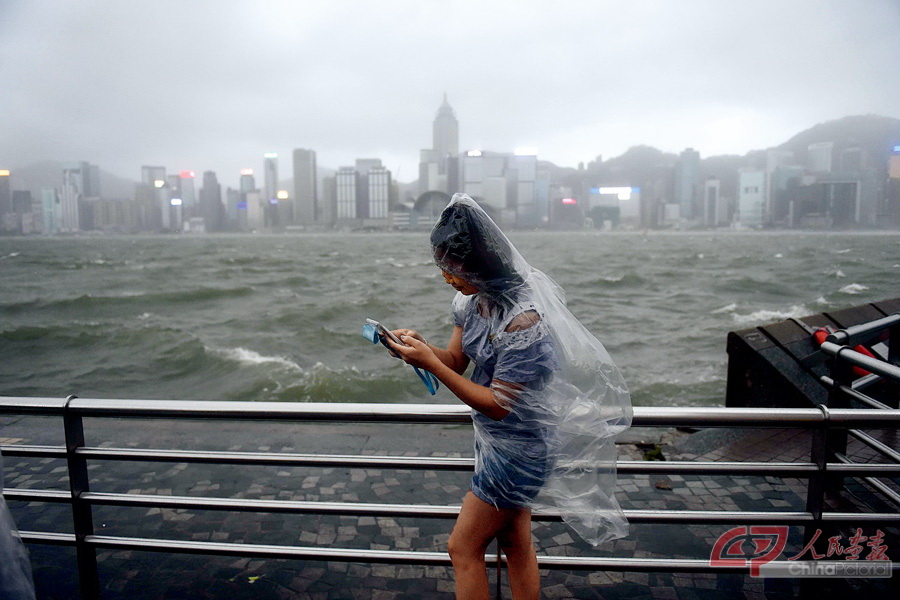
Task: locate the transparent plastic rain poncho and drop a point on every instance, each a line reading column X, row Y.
column 555, row 449
column 15, row 569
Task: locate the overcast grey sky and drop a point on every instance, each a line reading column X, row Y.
column 213, row 85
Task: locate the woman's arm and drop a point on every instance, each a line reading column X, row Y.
column 422, row 355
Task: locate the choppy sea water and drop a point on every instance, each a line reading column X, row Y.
column 278, row 318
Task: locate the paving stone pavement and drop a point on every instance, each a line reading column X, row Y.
column 139, row 575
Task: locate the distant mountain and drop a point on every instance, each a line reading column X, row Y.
column 641, row 165
column 875, row 135
column 48, row 174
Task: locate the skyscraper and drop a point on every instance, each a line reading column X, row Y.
column 211, row 208
column 71, row 198
column 687, row 182
column 306, row 198
column 188, row 192
column 446, row 132
column 346, row 181
column 378, row 180
column 434, row 163
column 270, row 176
column 248, row 181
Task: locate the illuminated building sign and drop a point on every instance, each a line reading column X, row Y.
column 4, row 172
column 282, row 195
column 175, row 201
column 622, row 193
column 246, row 171
column 242, row 205
column 187, row 175
column 569, row 201
column 159, row 183
column 473, row 153
column 896, row 151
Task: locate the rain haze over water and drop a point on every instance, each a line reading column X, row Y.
column 215, row 86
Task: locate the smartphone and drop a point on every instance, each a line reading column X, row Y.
column 382, row 330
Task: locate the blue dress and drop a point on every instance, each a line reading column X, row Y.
column 511, row 455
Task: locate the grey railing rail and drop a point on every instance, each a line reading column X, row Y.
column 78, row 452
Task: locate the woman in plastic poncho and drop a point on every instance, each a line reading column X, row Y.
column 547, row 402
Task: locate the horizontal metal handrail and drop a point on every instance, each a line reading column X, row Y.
column 644, row 416
column 418, row 557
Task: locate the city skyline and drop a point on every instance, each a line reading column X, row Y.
column 226, row 86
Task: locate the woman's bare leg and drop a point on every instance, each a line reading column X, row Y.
column 479, row 523
column 521, row 560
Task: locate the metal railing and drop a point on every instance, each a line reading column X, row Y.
column 830, row 426
column 87, row 540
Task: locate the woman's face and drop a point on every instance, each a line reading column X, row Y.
column 459, row 284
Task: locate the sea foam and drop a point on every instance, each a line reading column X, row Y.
column 794, row 312
column 853, row 288
column 252, row 358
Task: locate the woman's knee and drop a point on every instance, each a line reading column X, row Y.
column 461, row 549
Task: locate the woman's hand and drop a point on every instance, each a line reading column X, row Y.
column 409, row 332
column 415, row 351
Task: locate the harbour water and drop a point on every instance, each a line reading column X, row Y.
column 278, row 317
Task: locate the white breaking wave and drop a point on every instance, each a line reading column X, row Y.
column 854, row 288
column 252, row 358
column 725, row 309
column 761, row 316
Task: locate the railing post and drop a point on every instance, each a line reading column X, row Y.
column 894, row 358
column 815, row 494
column 82, row 516
column 836, row 440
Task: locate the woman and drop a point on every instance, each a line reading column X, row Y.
column 547, row 402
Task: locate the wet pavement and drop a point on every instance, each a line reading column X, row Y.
column 127, row 574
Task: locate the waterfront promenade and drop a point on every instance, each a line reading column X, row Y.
column 139, row 575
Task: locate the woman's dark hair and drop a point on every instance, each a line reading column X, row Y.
column 465, row 242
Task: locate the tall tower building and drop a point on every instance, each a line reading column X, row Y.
column 306, row 209
column 211, row 208
column 248, row 181
column 434, row 163
column 71, row 198
column 188, row 191
column 270, row 176
column 446, row 131
column 687, row 183
column 346, row 182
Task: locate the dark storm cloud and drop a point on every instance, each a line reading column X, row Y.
column 213, row 85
